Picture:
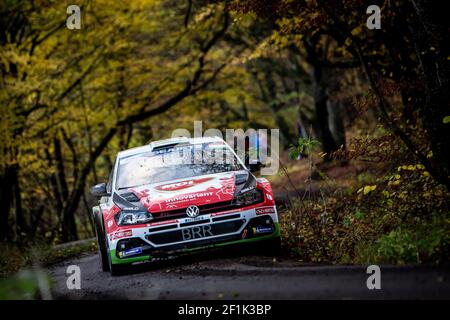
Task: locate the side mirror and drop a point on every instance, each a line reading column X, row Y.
column 99, row 190
column 255, row 167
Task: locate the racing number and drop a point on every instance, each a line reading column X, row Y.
column 196, row 232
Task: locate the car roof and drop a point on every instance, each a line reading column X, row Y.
column 167, row 142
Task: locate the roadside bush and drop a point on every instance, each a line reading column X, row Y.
column 425, row 241
column 15, row 257
column 403, row 216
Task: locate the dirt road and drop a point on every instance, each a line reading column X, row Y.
column 249, row 277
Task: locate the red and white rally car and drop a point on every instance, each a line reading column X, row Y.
column 180, row 195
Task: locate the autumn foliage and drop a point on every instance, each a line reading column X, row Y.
column 375, row 102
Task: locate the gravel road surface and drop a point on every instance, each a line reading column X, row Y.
column 248, row 277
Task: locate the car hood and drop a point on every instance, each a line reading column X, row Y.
column 201, row 190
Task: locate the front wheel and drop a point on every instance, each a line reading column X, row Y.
column 116, row 269
column 99, row 230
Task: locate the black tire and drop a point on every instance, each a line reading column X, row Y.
column 116, row 269
column 99, row 230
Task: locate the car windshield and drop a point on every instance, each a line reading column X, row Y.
column 175, row 162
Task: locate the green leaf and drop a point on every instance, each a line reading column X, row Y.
column 346, row 221
column 293, row 154
column 359, row 214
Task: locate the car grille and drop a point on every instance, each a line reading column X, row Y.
column 217, row 229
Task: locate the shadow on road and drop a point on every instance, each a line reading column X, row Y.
column 213, row 254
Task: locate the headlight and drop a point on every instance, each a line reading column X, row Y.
column 128, row 218
column 249, row 197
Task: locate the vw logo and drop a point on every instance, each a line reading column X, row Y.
column 192, row 211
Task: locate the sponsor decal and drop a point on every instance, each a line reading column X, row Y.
column 177, row 195
column 130, row 252
column 222, row 213
column 262, row 229
column 110, row 223
column 162, row 223
column 121, row 234
column 111, row 211
column 130, row 209
column 194, row 219
column 265, row 210
column 181, row 185
column 190, row 197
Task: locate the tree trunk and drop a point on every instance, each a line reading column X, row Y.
column 21, row 225
column 336, row 123
column 60, row 169
column 302, row 125
column 69, row 228
column 321, row 113
column 431, row 40
column 269, row 96
column 6, row 195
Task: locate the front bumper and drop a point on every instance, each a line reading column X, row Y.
column 161, row 239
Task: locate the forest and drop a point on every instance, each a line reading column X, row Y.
column 363, row 113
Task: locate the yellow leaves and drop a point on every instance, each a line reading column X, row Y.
column 357, row 31
column 402, row 195
column 411, row 167
column 348, row 42
column 31, row 97
column 394, row 180
column 394, row 183
column 317, row 206
column 260, row 50
column 367, row 189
